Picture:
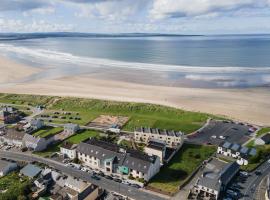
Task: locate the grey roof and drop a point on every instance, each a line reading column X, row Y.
column 132, row 159
column 226, row 145
column 30, row 170
column 266, row 138
column 235, row 147
column 34, row 122
column 156, row 145
column 252, row 152
column 216, row 176
column 4, row 164
column 159, row 131
column 244, row 150
column 12, row 134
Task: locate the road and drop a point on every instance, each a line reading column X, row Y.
column 103, row 183
column 253, row 181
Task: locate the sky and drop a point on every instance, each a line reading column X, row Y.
column 140, row 16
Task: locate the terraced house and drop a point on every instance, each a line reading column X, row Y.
column 172, row 138
column 109, row 158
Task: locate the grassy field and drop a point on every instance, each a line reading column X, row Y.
column 180, row 167
column 263, row 131
column 140, row 114
column 251, row 143
column 126, row 144
column 79, row 137
column 48, row 130
column 21, row 99
column 15, row 187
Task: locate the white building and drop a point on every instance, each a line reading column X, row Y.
column 109, row 158
column 172, row 138
column 13, row 137
column 265, row 139
column 33, row 125
column 37, row 143
column 69, row 150
column 236, row 151
column 6, row 167
column 157, row 148
column 71, row 129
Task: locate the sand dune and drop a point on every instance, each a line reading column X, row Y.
column 251, row 105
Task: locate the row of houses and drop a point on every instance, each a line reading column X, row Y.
column 111, row 159
column 9, row 115
column 171, row 138
column 236, row 151
column 36, row 143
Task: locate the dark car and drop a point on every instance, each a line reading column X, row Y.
column 108, row 177
column 95, row 177
column 117, row 180
column 101, row 174
column 258, row 173
column 135, row 186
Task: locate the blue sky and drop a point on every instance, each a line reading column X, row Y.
column 150, row 16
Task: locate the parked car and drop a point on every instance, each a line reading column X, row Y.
column 135, row 186
column 95, row 177
column 222, row 137
column 108, row 177
column 243, row 173
column 214, row 136
column 117, row 180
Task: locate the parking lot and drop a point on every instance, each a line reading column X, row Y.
column 218, row 131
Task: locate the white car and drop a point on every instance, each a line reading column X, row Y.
column 244, row 173
column 222, row 137
column 214, row 136
column 268, row 161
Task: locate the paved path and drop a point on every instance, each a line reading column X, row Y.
column 110, row 185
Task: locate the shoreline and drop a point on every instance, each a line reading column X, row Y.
column 249, row 105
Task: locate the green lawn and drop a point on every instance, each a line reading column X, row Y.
column 126, row 144
column 48, row 130
column 140, row 114
column 251, row 143
column 16, row 188
column 263, row 131
column 180, row 167
column 79, row 137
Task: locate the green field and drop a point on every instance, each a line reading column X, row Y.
column 263, row 131
column 17, row 188
column 140, row 114
column 79, row 137
column 48, row 131
column 180, row 167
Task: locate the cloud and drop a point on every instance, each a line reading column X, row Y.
column 11, row 25
column 190, row 8
column 23, row 5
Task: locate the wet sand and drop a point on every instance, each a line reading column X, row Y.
column 250, row 105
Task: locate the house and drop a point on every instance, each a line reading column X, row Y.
column 13, row 137
column 37, row 143
column 110, row 158
column 33, row 125
column 9, row 115
column 236, row 151
column 157, row 148
column 68, row 149
column 265, row 139
column 30, row 171
column 71, row 129
column 172, row 138
column 6, row 167
column 80, row 190
column 215, row 177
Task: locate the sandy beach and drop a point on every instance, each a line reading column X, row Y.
column 250, row 105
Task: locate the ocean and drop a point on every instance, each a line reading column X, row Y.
column 225, row 61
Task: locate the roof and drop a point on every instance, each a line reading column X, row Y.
column 70, row 126
column 31, row 139
column 252, row 152
column 12, row 134
column 156, row 145
column 226, row 145
column 34, row 122
column 76, row 184
column 30, row 170
column 266, row 138
column 4, row 164
column 217, row 173
column 105, row 151
column 68, row 145
column 159, row 131
column 235, row 147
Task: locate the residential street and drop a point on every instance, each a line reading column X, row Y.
column 104, row 183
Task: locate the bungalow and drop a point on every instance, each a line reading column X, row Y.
column 13, row 137
column 236, row 151
column 37, row 143
column 265, row 139
column 68, row 149
column 6, row 167
column 33, row 125
column 71, row 129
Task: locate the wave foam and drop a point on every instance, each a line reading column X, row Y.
column 44, row 55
